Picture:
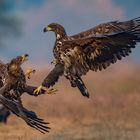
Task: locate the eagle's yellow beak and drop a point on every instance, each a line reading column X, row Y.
column 47, row 29
column 25, row 57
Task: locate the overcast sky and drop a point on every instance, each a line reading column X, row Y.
column 74, row 15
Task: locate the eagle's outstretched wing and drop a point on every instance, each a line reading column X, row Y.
column 29, row 117
column 53, row 76
column 98, row 52
column 108, row 28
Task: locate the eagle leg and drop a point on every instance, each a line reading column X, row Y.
column 48, row 90
column 51, row 90
column 54, row 62
column 29, row 72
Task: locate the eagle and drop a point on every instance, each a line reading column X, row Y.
column 12, row 74
column 94, row 49
column 12, row 86
column 4, row 112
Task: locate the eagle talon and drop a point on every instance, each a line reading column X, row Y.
column 37, row 91
column 29, row 72
column 49, row 91
column 54, row 62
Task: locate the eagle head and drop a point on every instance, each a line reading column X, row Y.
column 15, row 63
column 56, row 28
column 20, row 59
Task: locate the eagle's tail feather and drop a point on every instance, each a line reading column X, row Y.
column 81, row 86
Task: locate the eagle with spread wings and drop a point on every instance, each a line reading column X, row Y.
column 94, row 49
column 12, row 86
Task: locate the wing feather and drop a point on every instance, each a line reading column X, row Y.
column 29, row 117
column 108, row 28
column 98, row 52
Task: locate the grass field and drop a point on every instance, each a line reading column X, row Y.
column 111, row 113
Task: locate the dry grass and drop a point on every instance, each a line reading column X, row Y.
column 111, row 113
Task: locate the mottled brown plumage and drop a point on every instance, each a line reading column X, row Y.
column 15, row 77
column 12, row 86
column 94, row 49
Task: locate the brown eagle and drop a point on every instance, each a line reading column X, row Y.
column 12, row 74
column 94, row 49
column 13, row 85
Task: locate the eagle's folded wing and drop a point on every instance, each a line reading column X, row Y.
column 53, row 76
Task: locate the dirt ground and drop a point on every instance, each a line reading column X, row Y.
column 111, row 113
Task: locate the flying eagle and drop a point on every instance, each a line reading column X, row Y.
column 94, row 49
column 13, row 74
column 4, row 112
column 12, row 86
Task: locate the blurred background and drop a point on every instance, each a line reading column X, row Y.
column 112, row 112
column 22, row 23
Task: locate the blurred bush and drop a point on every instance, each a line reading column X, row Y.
column 9, row 22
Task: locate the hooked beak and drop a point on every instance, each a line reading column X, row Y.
column 25, row 57
column 46, row 29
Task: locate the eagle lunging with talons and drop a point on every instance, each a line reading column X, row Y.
column 94, row 49
column 12, row 86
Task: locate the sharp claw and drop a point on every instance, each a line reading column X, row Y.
column 29, row 72
column 54, row 62
column 37, row 91
column 51, row 91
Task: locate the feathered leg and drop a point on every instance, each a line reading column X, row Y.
column 81, row 86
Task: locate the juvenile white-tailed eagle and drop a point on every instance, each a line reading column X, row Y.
column 12, row 86
column 94, row 49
